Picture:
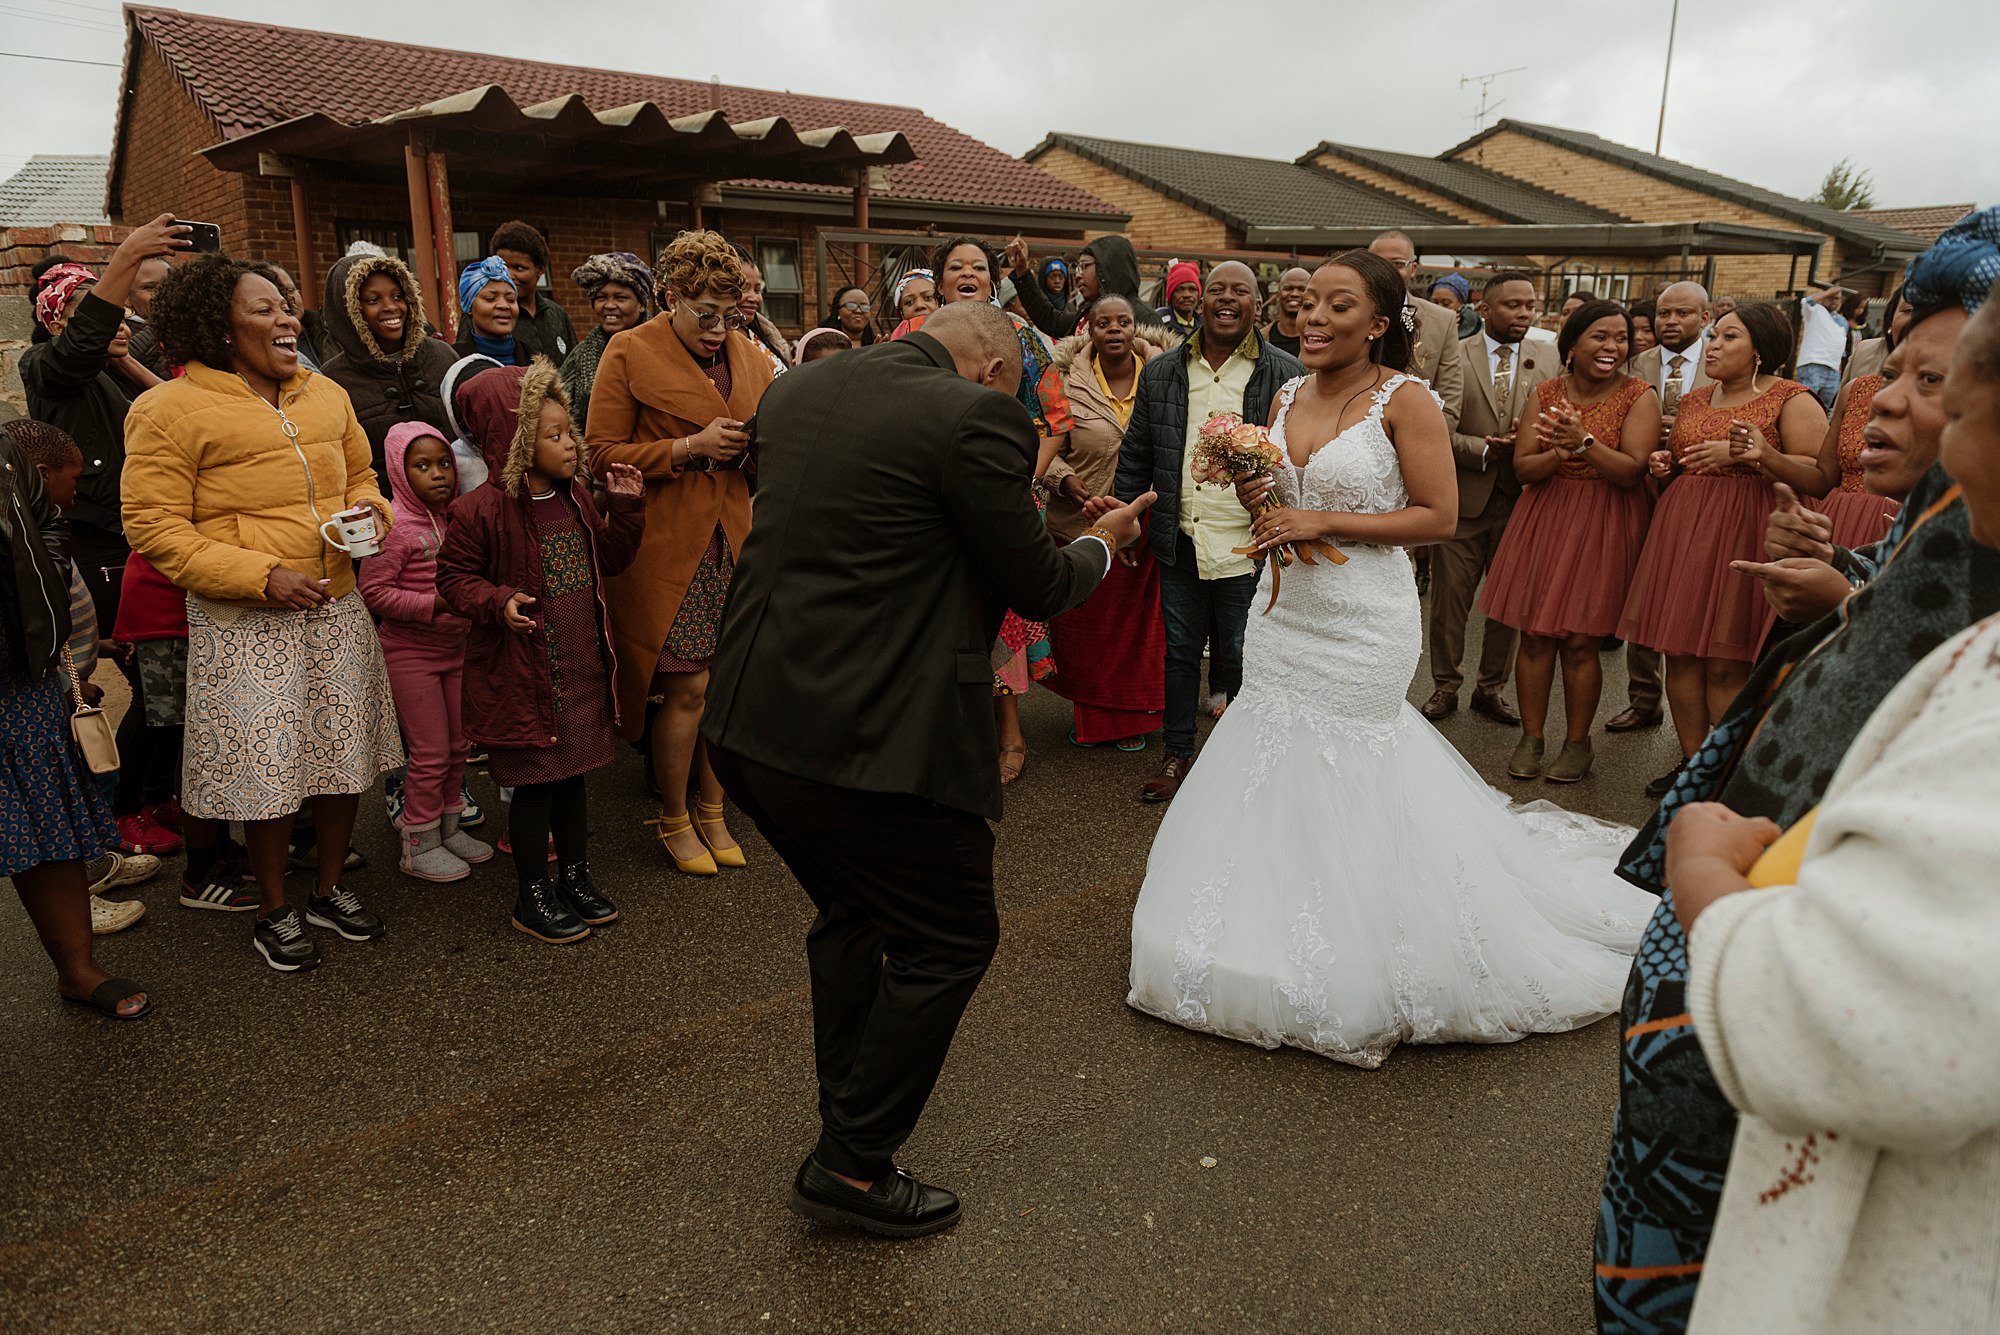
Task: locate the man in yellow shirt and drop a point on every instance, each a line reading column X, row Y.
column 1205, row 588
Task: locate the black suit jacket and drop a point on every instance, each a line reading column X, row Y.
column 894, row 527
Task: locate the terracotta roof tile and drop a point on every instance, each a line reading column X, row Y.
column 251, row 75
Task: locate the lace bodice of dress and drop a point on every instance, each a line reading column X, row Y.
column 1337, row 650
column 1357, row 471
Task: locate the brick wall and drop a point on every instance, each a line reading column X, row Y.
column 163, row 129
column 1636, row 195
column 21, row 248
column 1430, row 199
column 1158, row 222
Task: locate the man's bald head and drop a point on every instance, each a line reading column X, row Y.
column 1399, row 250
column 1679, row 315
column 1229, row 271
column 981, row 341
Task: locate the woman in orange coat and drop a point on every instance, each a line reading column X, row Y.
column 672, row 398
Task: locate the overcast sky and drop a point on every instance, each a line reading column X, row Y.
column 1768, row 91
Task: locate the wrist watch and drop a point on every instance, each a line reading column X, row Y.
column 1103, row 535
column 1584, row 448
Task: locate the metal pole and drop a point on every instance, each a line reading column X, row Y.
column 1672, row 25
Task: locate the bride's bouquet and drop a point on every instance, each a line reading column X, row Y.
column 1228, row 450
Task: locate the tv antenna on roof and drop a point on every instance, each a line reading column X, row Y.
column 1485, row 82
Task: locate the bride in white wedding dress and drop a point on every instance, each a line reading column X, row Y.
column 1332, row 875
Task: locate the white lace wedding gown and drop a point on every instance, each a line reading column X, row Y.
column 1332, row 874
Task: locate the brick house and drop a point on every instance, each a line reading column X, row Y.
column 1637, row 186
column 1580, row 210
column 298, row 143
column 1196, row 201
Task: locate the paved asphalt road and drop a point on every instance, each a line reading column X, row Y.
column 457, row 1128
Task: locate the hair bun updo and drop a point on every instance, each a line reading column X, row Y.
column 1397, row 345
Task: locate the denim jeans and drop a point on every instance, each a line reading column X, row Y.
column 1823, row 381
column 1197, row 612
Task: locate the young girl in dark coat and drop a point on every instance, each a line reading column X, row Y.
column 524, row 559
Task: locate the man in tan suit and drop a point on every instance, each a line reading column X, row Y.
column 1673, row 367
column 1435, row 354
column 1503, row 372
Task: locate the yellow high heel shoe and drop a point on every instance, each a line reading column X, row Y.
column 666, row 827
column 705, row 816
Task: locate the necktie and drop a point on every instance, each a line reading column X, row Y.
column 1670, row 398
column 1503, row 375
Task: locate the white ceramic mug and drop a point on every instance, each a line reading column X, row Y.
column 355, row 533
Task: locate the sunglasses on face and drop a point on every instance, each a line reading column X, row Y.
column 856, row 306
column 710, row 319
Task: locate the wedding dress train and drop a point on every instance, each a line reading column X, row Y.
column 1332, row 874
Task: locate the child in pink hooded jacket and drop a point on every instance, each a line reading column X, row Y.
column 423, row 643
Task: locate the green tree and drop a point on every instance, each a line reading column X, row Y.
column 1846, row 187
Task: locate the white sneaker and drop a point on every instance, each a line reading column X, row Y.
column 111, row 869
column 108, row 916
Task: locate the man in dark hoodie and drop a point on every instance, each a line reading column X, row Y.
column 1107, row 265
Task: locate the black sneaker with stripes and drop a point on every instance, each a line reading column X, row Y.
column 220, row 890
column 281, row 939
column 342, row 912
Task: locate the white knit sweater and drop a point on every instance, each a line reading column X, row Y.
column 1854, row 1020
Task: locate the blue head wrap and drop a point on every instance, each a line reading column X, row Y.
column 1456, row 282
column 473, row 281
column 904, row 281
column 1961, row 268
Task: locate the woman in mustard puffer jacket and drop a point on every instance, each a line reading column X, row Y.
column 230, row 472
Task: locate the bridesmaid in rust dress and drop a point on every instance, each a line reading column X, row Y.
column 1859, row 517
column 1564, row 567
column 1731, row 441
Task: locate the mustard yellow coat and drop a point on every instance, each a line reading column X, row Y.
column 217, row 494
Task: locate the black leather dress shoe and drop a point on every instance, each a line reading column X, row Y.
column 897, row 1206
column 1663, row 785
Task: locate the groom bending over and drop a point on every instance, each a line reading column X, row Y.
column 850, row 711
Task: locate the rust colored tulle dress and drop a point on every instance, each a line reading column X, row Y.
column 1565, row 563
column 1685, row 599
column 1858, row 517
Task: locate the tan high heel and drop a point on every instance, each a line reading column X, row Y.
column 666, row 827
column 705, row 816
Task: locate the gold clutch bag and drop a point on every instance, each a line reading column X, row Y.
column 90, row 726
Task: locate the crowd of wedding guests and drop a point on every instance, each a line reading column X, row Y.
column 322, row 560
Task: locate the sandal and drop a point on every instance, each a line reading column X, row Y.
column 1009, row 774
column 1131, row 744
column 1084, row 746
column 666, row 827
column 104, row 999
column 706, row 816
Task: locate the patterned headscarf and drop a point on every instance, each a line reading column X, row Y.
column 896, row 301
column 473, row 281
column 58, row 286
column 616, row 266
column 1961, row 268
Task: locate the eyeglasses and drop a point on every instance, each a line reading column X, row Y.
column 710, row 319
column 860, row 306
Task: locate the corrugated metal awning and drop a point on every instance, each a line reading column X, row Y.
column 633, row 151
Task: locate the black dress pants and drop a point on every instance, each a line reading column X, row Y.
column 906, row 927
